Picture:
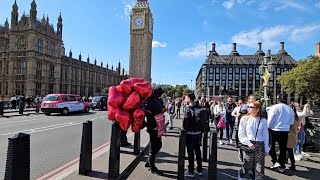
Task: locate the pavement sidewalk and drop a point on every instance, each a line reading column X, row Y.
column 228, row 163
column 167, row 161
column 13, row 112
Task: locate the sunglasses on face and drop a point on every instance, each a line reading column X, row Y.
column 252, row 107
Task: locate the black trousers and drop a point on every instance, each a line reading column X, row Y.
column 193, row 147
column 155, row 146
column 291, row 156
column 123, row 137
column 281, row 137
column 178, row 113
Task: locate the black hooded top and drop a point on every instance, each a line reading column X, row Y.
column 152, row 107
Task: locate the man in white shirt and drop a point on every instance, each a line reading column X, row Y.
column 280, row 118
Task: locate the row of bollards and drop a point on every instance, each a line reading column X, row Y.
column 212, row 169
column 18, row 153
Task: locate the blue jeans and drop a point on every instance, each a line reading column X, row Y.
column 301, row 138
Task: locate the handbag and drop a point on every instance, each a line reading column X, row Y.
column 246, row 148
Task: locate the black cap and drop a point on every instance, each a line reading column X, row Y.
column 191, row 96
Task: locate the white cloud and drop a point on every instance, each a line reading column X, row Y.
column 156, row 44
column 228, row 4
column 279, row 5
column 268, row 36
column 301, row 33
column 127, row 7
column 199, row 50
column 247, row 40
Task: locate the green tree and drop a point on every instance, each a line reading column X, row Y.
column 304, row 79
column 260, row 93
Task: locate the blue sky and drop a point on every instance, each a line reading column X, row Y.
column 182, row 28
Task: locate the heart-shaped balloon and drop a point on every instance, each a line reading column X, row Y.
column 119, row 88
column 126, row 87
column 132, row 102
column 112, row 113
column 137, row 80
column 143, row 89
column 115, row 97
column 138, row 120
column 124, row 119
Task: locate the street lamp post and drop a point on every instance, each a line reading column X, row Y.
column 266, row 69
column 191, row 84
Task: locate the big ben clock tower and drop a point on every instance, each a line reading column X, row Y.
column 141, row 35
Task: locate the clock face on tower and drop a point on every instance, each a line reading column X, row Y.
column 138, row 22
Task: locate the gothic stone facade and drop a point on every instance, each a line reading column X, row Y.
column 141, row 35
column 241, row 73
column 33, row 61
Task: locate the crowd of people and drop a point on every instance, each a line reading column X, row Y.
column 28, row 101
column 257, row 129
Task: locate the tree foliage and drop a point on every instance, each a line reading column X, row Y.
column 174, row 91
column 304, row 79
column 260, row 93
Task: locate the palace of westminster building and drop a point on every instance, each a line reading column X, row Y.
column 33, row 61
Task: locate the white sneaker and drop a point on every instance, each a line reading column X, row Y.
column 188, row 174
column 199, row 173
column 297, row 157
column 220, row 142
column 231, row 142
column 227, row 142
column 306, row 154
column 276, row 165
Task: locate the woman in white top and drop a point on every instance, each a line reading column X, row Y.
column 306, row 112
column 219, row 112
column 253, row 132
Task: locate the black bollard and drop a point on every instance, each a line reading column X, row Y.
column 85, row 164
column 21, row 107
column 205, row 147
column 1, row 108
column 137, row 143
column 18, row 157
column 114, row 157
column 182, row 154
column 37, row 107
column 212, row 169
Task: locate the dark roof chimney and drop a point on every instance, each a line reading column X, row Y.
column 259, row 51
column 213, row 51
column 234, row 51
column 282, row 51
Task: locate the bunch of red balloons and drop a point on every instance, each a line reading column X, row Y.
column 124, row 103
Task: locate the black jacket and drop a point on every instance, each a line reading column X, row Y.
column 189, row 123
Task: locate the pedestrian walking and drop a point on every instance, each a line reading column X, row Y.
column 193, row 135
column 293, row 137
column 236, row 114
column 280, row 118
column 219, row 112
column 154, row 107
column 254, row 135
column 178, row 106
column 230, row 120
column 13, row 102
column 302, row 115
column 171, row 112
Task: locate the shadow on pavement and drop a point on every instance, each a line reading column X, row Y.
column 229, row 149
column 98, row 175
column 173, row 135
column 75, row 114
column 170, row 174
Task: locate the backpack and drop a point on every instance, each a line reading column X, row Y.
column 199, row 120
